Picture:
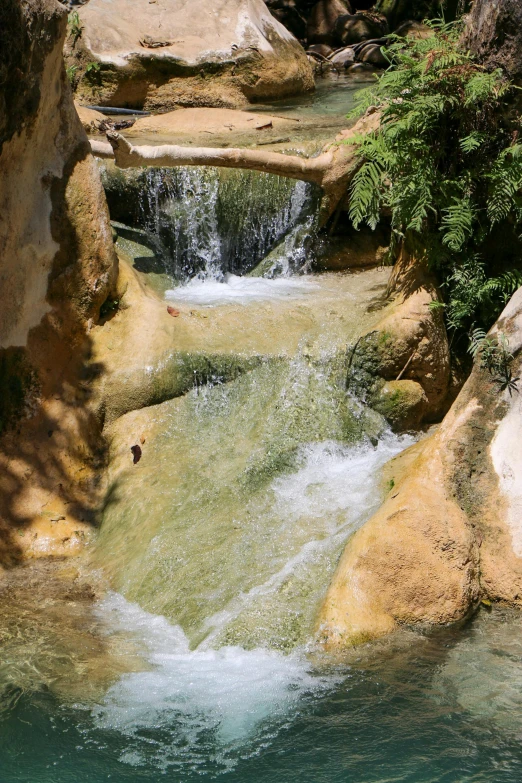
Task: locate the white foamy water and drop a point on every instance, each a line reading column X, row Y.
column 337, row 478
column 336, row 489
column 240, row 290
column 197, row 698
column 223, row 701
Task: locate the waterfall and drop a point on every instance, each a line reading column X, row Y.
column 208, row 222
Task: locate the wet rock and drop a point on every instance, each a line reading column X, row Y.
column 354, row 249
column 449, row 533
column 373, row 55
column 151, row 55
column 323, row 50
column 402, row 403
column 408, row 343
column 343, row 57
column 360, row 68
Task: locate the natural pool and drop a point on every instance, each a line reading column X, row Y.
column 439, row 707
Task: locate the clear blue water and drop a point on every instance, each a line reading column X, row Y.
column 444, row 707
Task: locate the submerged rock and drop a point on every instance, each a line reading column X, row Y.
column 157, row 56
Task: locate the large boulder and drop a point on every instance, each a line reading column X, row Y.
column 399, row 11
column 160, row 55
column 323, row 19
column 354, row 28
column 57, row 269
column 402, row 366
column 449, row 533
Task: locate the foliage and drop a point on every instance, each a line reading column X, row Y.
column 495, row 356
column 92, row 68
column 447, row 164
column 92, row 73
column 75, row 27
column 71, row 72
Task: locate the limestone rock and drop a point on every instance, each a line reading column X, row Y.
column 402, row 403
column 162, row 55
column 323, row 50
column 373, row 55
column 57, row 268
column 90, row 119
column 449, row 532
column 211, row 126
column 354, row 28
column 399, row 11
column 343, row 57
column 290, row 15
column 409, row 343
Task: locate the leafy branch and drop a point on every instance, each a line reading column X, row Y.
column 447, row 165
column 495, row 356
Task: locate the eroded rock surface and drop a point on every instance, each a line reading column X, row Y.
column 177, row 53
column 494, row 33
column 57, row 268
column 449, row 533
column 408, row 344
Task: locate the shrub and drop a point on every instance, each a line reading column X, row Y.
column 447, row 164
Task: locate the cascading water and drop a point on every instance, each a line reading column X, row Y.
column 210, row 222
column 198, row 660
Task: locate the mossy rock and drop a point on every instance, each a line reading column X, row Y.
column 402, row 403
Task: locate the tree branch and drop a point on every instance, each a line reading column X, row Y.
column 332, row 170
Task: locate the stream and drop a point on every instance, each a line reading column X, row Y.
column 187, row 649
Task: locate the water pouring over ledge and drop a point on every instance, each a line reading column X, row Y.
column 207, row 222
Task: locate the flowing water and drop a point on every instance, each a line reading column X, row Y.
column 181, row 647
column 208, row 222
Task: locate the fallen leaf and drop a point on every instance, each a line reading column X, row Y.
column 136, row 451
column 173, row 312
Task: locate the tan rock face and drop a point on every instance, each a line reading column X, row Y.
column 90, row 119
column 57, row 268
column 178, row 53
column 408, row 344
column 449, row 532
